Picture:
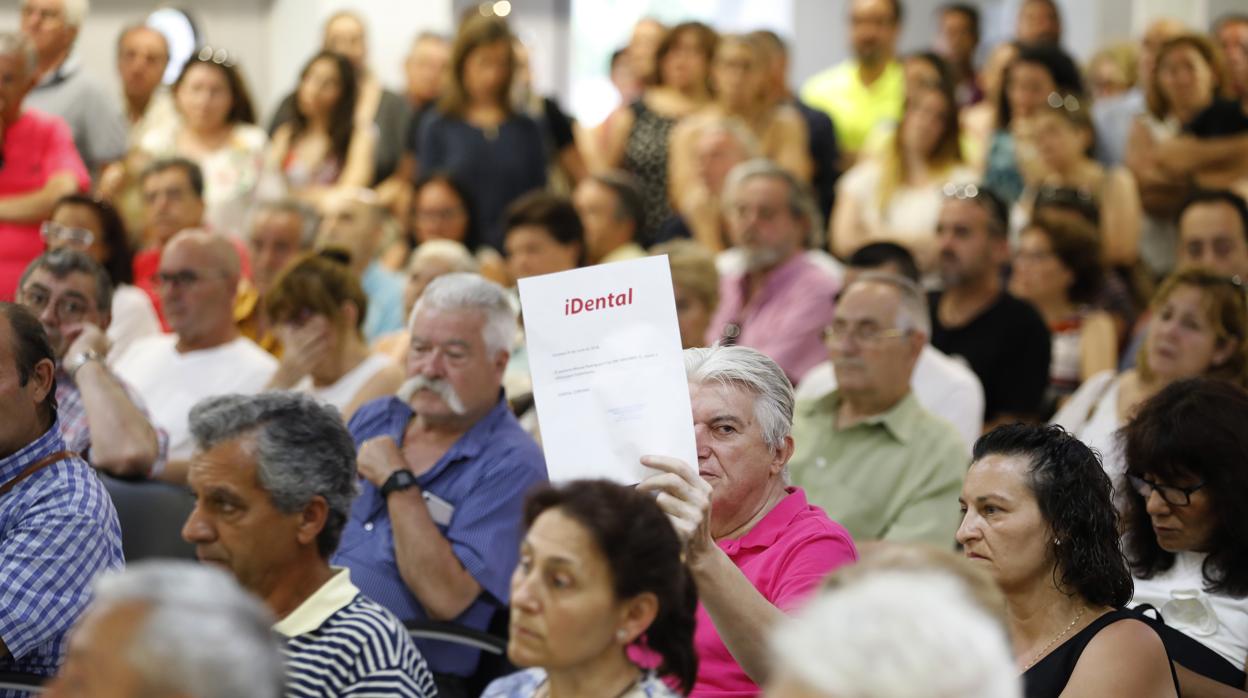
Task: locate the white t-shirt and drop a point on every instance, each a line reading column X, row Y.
column 341, row 393
column 133, row 317
column 1217, row 621
column 171, row 383
column 943, row 386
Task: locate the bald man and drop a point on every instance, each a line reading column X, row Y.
column 204, row 356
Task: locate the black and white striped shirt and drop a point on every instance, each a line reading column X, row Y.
column 359, row 650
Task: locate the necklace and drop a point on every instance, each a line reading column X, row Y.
column 1055, row 639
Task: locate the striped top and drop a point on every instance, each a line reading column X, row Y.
column 340, row 644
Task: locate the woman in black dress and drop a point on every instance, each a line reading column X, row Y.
column 1038, row 516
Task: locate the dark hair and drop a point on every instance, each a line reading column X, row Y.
column 773, row 41
column 898, row 11
column 943, row 69
column 241, row 109
column 476, row 32
column 966, row 10
column 1067, row 200
column 874, row 255
column 194, row 175
column 1057, row 63
column 342, row 116
column 1077, row 246
column 318, row 282
column 1193, row 428
column 449, row 179
column 629, row 205
column 1217, row 196
column 644, row 555
column 1074, row 495
column 65, row 261
column 30, row 346
column 616, row 56
column 553, row 213
column 707, row 39
column 120, row 262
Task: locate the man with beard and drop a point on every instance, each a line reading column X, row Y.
column 782, row 302
column 868, row 453
column 870, row 87
column 434, row 534
column 100, row 420
column 1003, row 339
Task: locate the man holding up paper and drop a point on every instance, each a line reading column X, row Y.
column 434, row 533
column 756, row 548
column 783, row 300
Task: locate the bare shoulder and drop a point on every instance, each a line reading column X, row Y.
column 1126, row 658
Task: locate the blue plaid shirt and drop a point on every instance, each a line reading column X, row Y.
column 58, row 530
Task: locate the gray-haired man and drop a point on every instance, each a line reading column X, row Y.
column 273, row 479
column 171, row 630
column 868, row 453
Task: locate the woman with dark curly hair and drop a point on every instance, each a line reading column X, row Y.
column 1187, row 517
column 1039, row 517
column 600, row 577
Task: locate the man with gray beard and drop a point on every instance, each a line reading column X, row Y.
column 782, row 302
column 434, row 534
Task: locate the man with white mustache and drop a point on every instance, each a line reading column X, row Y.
column 782, row 301
column 868, row 453
column 434, row 534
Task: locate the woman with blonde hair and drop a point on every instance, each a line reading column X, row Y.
column 897, row 197
column 317, row 308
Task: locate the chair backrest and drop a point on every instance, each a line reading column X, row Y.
column 31, row 684
column 152, row 515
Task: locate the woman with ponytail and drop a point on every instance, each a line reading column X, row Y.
column 601, row 603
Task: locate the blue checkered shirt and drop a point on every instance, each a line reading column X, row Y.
column 58, row 530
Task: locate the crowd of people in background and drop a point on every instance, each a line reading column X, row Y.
column 926, row 304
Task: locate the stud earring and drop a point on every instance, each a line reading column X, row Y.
column 621, row 635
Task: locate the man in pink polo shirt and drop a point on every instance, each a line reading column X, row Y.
column 755, row 547
column 782, row 301
column 38, row 163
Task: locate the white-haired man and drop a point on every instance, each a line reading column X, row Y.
column 63, row 89
column 757, row 549
column 434, row 534
column 868, row 453
column 783, row 300
column 171, row 630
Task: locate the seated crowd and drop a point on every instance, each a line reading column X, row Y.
column 1015, row 328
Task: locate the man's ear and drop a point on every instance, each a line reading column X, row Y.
column 40, row 382
column 312, row 520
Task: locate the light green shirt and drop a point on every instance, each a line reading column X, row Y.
column 856, row 108
column 895, row 476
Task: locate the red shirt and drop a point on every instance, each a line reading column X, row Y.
column 36, row 147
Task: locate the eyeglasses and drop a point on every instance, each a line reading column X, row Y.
column 53, row 233
column 67, row 308
column 863, row 334
column 1176, row 496
column 180, row 279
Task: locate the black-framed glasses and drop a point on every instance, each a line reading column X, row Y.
column 1173, row 495
column 180, row 279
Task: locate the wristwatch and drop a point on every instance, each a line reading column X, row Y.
column 78, row 361
column 398, row 480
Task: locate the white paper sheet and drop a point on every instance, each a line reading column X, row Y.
column 608, row 378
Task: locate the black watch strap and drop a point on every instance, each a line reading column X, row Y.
column 398, row 480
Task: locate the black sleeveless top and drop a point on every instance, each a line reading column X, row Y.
column 1048, row 678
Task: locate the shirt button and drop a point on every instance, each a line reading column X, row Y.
column 368, row 526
